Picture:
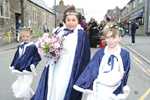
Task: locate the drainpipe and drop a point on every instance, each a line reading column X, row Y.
column 147, row 18
column 55, row 12
column 22, row 11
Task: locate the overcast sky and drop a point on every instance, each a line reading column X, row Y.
column 92, row 8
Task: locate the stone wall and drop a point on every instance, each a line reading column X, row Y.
column 9, row 25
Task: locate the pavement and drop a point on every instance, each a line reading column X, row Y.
column 13, row 45
column 141, row 47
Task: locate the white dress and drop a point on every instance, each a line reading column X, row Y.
column 63, row 66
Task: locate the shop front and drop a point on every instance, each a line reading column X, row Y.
column 138, row 15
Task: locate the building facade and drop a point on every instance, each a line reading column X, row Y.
column 114, row 14
column 61, row 8
column 137, row 9
column 33, row 13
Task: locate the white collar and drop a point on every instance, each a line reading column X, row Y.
column 28, row 44
column 115, row 53
column 107, row 55
column 77, row 28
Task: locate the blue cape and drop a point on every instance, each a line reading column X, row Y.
column 31, row 56
column 91, row 72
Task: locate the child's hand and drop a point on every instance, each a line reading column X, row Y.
column 122, row 74
column 32, row 67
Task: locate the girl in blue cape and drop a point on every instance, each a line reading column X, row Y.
column 106, row 75
column 23, row 65
column 57, row 79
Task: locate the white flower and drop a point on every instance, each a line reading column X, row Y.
column 107, row 27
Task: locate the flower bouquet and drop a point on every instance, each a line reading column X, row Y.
column 50, row 46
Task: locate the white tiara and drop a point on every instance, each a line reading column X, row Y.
column 71, row 13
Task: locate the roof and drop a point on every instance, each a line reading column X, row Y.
column 42, row 4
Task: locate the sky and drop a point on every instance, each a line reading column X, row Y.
column 92, row 8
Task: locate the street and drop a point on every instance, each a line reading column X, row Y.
column 138, row 80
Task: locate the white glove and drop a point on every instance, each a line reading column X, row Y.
column 11, row 67
column 32, row 67
column 77, row 88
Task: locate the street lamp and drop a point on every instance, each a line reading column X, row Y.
column 55, row 12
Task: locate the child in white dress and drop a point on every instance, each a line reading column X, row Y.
column 23, row 65
column 105, row 77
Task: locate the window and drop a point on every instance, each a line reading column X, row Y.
column 140, row 1
column 125, row 11
column 44, row 18
column 133, row 4
column 128, row 9
column 34, row 15
column 4, row 8
column 114, row 11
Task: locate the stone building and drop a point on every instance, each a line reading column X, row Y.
column 59, row 11
column 34, row 13
column 137, row 9
column 61, row 8
column 114, row 14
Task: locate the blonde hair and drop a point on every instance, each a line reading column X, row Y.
column 114, row 31
column 25, row 30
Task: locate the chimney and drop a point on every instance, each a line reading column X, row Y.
column 61, row 2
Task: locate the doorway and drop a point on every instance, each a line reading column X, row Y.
column 17, row 17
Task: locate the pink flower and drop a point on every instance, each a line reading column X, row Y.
column 45, row 35
column 61, row 48
column 59, row 42
column 57, row 55
column 56, row 45
column 48, row 40
column 40, row 39
column 37, row 44
column 49, row 55
column 56, row 52
column 40, row 50
column 51, row 50
column 43, row 44
column 55, row 35
column 43, row 53
column 51, row 44
column 54, row 39
column 55, row 58
column 58, row 37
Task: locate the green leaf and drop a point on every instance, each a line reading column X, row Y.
column 40, row 32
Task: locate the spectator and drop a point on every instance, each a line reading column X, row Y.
column 133, row 31
column 92, row 32
column 60, row 24
column 46, row 29
column 19, row 24
column 82, row 23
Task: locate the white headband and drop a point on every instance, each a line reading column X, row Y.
column 71, row 13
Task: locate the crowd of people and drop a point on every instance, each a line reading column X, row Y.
column 104, row 77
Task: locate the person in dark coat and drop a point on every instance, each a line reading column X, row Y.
column 60, row 24
column 133, row 31
column 92, row 32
